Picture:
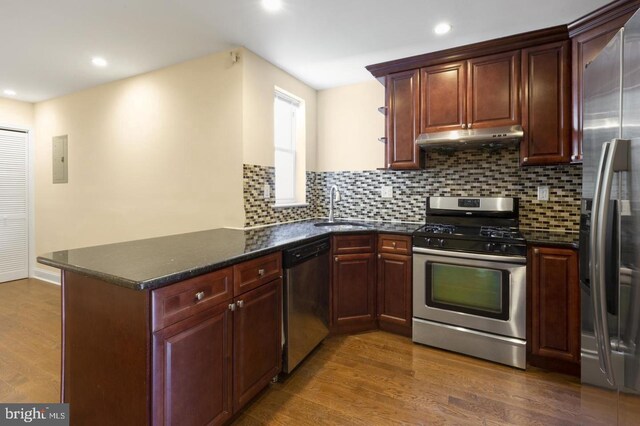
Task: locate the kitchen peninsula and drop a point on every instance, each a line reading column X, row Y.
column 135, row 313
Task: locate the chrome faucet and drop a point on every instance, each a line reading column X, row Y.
column 334, row 195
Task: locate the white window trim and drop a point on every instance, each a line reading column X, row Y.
column 290, row 202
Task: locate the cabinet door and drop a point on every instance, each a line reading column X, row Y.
column 394, row 293
column 403, row 120
column 257, row 341
column 443, row 89
column 555, row 309
column 353, row 281
column 493, row 90
column 192, row 370
column 585, row 48
column 545, row 107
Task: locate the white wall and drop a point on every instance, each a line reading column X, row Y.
column 349, row 126
column 155, row 154
column 260, row 77
column 16, row 113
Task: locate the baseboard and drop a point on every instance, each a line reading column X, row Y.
column 48, row 276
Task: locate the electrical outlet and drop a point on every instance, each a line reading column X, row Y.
column 543, row 193
column 266, row 191
column 386, row 191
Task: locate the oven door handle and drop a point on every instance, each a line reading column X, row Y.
column 473, row 256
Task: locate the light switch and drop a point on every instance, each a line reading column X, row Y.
column 60, row 159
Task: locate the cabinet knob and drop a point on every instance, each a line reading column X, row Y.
column 464, row 126
column 389, row 166
column 335, row 258
column 469, row 125
column 261, row 272
column 393, row 244
column 379, row 256
column 232, row 307
column 240, row 303
column 200, row 295
column 525, row 159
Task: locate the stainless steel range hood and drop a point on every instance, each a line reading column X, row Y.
column 473, row 138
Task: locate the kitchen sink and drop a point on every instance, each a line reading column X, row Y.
column 344, row 223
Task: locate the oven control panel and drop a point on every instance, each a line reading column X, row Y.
column 477, row 246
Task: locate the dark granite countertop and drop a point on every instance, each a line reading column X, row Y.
column 155, row 262
column 551, row 238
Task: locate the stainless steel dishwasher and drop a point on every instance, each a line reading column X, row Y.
column 306, row 300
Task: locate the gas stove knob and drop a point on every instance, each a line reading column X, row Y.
column 441, row 243
column 504, row 248
column 428, row 242
column 489, row 246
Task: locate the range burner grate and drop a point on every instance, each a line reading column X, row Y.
column 436, row 228
column 496, row 232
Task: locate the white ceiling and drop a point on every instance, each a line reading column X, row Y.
column 47, row 45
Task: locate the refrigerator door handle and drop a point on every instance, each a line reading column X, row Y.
column 614, row 158
column 596, row 259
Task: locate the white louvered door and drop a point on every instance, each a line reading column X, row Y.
column 14, row 225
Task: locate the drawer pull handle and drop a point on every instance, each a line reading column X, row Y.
column 336, row 258
column 240, row 303
column 232, row 307
column 260, row 272
column 379, row 256
column 393, row 244
column 200, row 295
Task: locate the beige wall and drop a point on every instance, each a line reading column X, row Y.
column 349, row 126
column 155, row 154
column 16, row 113
column 260, row 77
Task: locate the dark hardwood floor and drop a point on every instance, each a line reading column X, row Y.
column 373, row 378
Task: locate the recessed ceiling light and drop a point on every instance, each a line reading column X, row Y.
column 99, row 62
column 272, row 5
column 9, row 92
column 442, row 28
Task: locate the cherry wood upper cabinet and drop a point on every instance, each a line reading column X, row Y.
column 546, row 109
column 403, row 120
column 443, row 97
column 493, row 90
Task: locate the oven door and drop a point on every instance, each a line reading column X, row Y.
column 476, row 291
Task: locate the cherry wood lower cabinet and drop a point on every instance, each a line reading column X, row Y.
column 394, row 311
column 193, row 370
column 554, row 309
column 257, row 334
column 190, row 353
column 207, row 367
column 353, row 284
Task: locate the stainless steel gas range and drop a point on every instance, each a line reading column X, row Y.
column 469, row 279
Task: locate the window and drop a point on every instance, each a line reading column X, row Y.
column 288, row 135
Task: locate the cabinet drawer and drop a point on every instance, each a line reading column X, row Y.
column 178, row 301
column 253, row 273
column 396, row 244
column 356, row 243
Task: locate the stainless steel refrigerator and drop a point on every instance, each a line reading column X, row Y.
column 610, row 232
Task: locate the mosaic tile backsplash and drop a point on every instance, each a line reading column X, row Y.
column 463, row 173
